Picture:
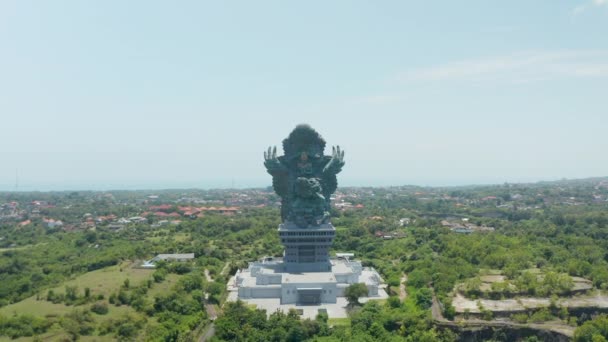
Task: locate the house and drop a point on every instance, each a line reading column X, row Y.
column 221, row 210
column 168, row 257
column 138, row 219
column 115, row 227
column 389, row 235
column 160, row 223
column 162, row 207
column 51, row 223
column 462, row 230
column 175, row 257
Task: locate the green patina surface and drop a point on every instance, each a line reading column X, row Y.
column 304, row 177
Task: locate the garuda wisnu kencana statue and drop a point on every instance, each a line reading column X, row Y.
column 303, row 177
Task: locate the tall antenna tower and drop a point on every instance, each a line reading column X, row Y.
column 16, row 179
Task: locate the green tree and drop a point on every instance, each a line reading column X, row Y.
column 355, row 291
column 424, row 298
column 71, row 293
column 593, row 330
column 100, row 308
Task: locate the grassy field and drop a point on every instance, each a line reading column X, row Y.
column 165, row 286
column 56, row 334
column 20, row 247
column 104, row 281
column 62, row 336
column 338, row 321
column 178, row 237
column 109, row 279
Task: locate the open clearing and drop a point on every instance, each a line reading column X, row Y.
column 524, row 303
column 103, row 281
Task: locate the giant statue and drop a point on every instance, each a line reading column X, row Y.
column 303, row 177
column 305, row 274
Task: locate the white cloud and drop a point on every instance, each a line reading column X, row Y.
column 594, row 3
column 518, row 67
column 377, row 99
column 579, row 9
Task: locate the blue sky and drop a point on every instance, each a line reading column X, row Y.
column 151, row 94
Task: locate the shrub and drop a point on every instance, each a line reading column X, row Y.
column 520, row 318
column 394, row 302
column 541, row 315
column 487, row 315
column 100, row 308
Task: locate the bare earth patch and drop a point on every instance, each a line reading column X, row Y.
column 461, row 303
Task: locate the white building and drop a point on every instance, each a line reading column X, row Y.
column 267, row 279
column 167, row 257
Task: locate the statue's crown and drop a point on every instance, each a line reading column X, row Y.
column 303, row 137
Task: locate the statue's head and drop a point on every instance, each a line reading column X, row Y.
column 304, row 141
column 307, row 187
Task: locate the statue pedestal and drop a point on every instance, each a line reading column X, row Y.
column 306, row 249
column 268, row 278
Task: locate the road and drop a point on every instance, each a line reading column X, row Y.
column 208, row 333
column 211, row 313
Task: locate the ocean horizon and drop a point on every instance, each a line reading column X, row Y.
column 244, row 184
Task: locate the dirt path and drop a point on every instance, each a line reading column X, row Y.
column 208, row 333
column 436, row 310
column 225, row 269
column 208, row 276
column 402, row 292
column 211, row 311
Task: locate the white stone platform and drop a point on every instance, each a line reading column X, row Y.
column 268, row 286
column 337, row 310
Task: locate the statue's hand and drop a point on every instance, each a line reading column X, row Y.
column 336, row 162
column 270, row 159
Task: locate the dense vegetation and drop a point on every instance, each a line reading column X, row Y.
column 557, row 228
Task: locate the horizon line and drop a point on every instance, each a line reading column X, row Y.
column 249, row 186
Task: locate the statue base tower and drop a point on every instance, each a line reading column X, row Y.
column 306, row 249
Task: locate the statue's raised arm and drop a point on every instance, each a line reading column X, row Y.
column 272, row 162
column 336, row 162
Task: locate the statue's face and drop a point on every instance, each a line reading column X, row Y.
column 310, row 152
